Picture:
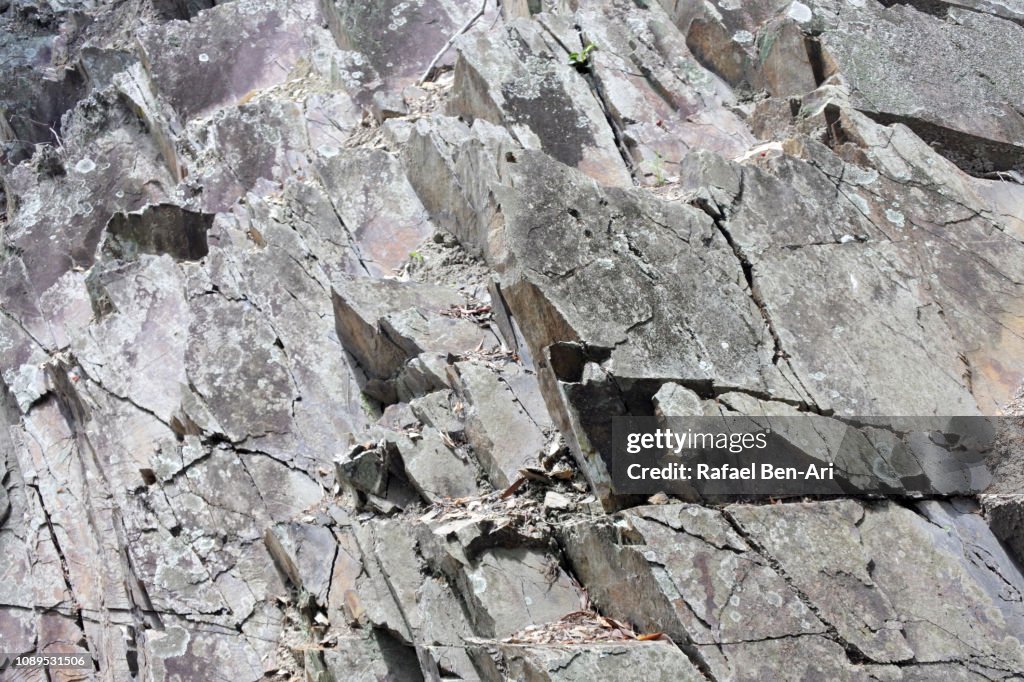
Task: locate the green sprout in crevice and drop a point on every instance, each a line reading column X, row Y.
column 656, row 168
column 581, row 60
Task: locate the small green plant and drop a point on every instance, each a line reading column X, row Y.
column 417, row 257
column 657, row 168
column 582, row 58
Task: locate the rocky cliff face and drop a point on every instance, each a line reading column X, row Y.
column 314, row 317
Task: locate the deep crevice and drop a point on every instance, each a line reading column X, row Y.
column 977, row 156
column 935, row 8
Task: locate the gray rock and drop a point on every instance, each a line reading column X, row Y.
column 657, row 660
column 979, row 126
column 698, row 581
column 437, row 410
column 366, row 659
column 659, row 115
column 208, row 293
column 438, row 472
column 522, row 80
column 415, row 31
column 787, row 559
column 386, row 323
column 306, row 554
column 261, row 40
column 873, row 628
column 377, row 207
column 377, row 471
column 506, row 421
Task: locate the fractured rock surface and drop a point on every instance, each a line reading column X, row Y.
column 314, row 317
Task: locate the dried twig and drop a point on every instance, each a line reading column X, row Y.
column 447, row 46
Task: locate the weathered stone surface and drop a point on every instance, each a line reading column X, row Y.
column 398, row 39
column 377, row 471
column 503, row 590
column 306, row 554
column 377, row 207
column 261, row 42
column 522, row 81
column 657, row 660
column 627, row 269
column 660, row 114
column 506, row 421
column 873, row 628
column 445, row 145
column 673, row 556
column 437, row 410
column 255, row 418
column 980, row 125
column 437, row 471
column 386, row 323
column 364, row 659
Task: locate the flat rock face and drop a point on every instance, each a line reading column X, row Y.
column 722, row 579
column 314, row 318
column 658, row 661
column 260, row 41
column 986, row 132
column 519, row 81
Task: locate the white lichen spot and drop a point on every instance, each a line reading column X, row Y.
column 895, row 217
column 800, row 12
column 743, row 37
column 725, row 345
column 479, row 583
column 846, row 239
column 168, row 643
column 735, row 616
column 84, row 166
column 773, row 598
column 327, row 151
column 818, row 376
column 204, row 545
column 861, row 176
column 203, row 57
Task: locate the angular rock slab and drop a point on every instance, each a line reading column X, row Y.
column 259, row 41
column 377, row 206
column 438, row 472
column 620, row 292
column 386, row 323
column 506, row 580
column 660, row 567
column 660, row 114
column 658, row 661
column 398, row 39
column 962, row 92
column 521, row 79
column 506, row 420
